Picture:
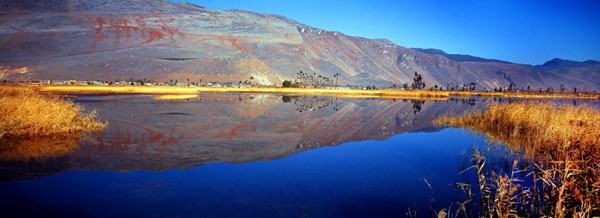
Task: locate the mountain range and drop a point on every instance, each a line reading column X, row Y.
column 162, row 40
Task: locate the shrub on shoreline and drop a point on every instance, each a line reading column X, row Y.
column 24, row 112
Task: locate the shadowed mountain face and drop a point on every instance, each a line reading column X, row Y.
column 162, row 40
column 457, row 57
column 560, row 63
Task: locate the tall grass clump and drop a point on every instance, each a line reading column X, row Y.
column 562, row 146
column 25, row 113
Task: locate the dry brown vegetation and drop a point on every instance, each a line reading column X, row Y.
column 176, row 97
column 356, row 93
column 579, row 95
column 562, row 145
column 24, row 112
column 102, row 89
column 189, row 90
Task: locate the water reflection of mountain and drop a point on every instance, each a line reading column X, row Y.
column 154, row 135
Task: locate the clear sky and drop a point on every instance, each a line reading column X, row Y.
column 520, row 31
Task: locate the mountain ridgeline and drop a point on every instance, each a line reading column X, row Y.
column 161, row 40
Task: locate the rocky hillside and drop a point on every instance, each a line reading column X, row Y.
column 163, row 40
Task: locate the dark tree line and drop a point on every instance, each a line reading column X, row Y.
column 418, row 83
column 462, row 87
column 512, row 88
column 287, row 83
column 314, row 79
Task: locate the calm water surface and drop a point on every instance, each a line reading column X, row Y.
column 248, row 155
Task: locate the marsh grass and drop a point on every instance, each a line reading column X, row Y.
column 548, row 95
column 561, row 145
column 25, row 113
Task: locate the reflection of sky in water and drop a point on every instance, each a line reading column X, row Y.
column 354, row 179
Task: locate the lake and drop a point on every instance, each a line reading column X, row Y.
column 247, row 155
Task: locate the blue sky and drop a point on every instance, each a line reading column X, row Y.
column 520, row 31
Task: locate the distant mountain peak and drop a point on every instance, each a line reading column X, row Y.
column 458, row 57
column 431, row 51
column 557, row 61
column 561, row 63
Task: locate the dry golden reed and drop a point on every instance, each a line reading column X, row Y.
column 561, row 142
column 190, row 90
column 549, row 95
column 176, row 97
column 537, row 126
column 356, row 93
column 26, row 113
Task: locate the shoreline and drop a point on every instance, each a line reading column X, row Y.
column 407, row 94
